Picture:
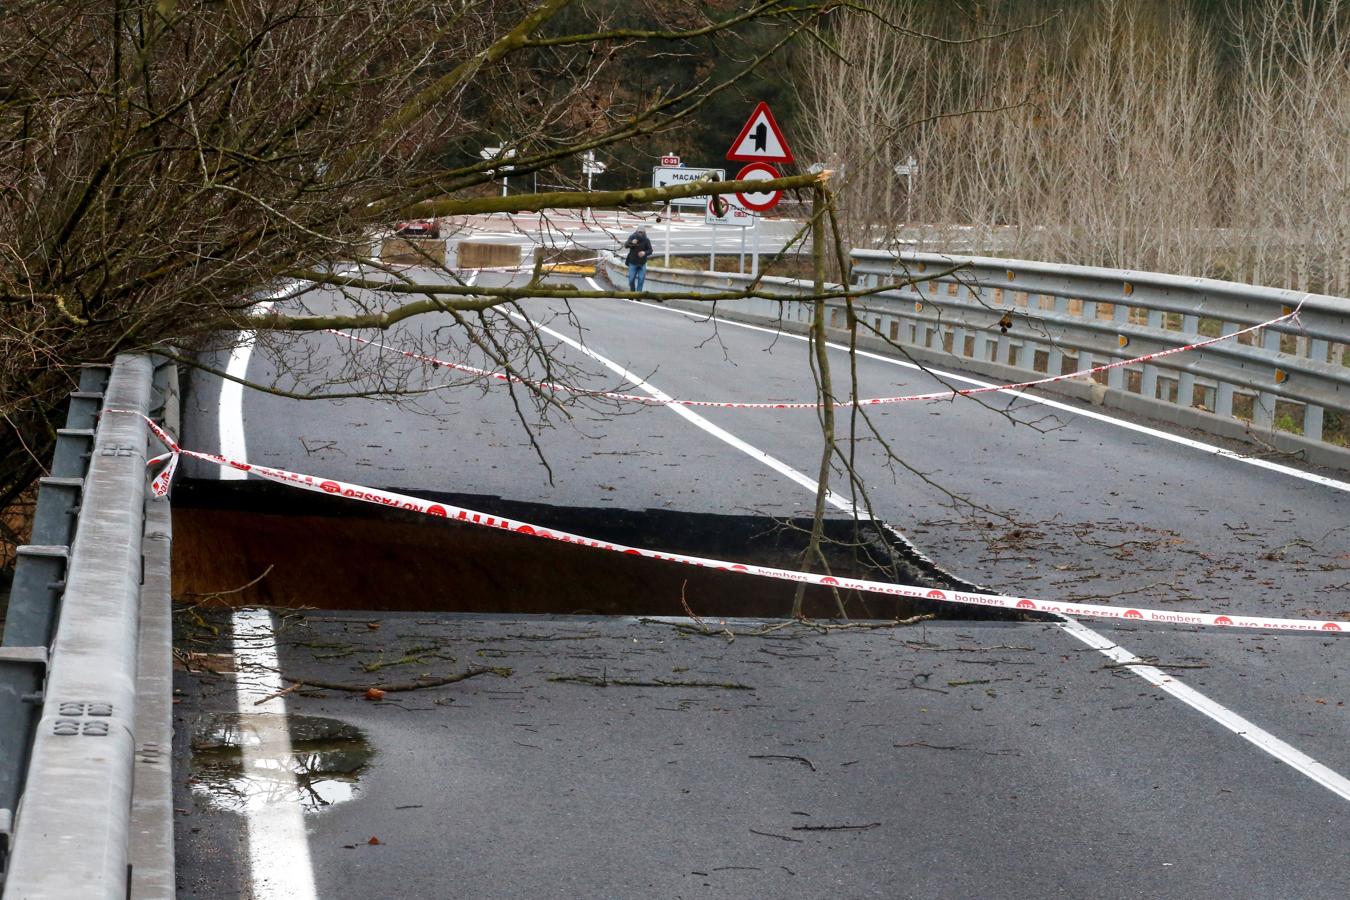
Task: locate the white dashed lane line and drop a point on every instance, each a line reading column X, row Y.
column 1248, row 731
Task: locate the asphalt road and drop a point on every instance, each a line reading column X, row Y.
column 997, row 759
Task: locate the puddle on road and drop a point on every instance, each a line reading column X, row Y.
column 235, row 769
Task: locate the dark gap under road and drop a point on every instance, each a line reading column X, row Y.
column 330, row 553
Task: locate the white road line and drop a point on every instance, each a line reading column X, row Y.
column 278, row 848
column 1044, row 401
column 1235, row 723
column 230, row 411
column 1289, row 755
column 782, row 468
column 230, row 414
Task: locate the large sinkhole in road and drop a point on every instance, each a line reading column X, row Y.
column 253, row 543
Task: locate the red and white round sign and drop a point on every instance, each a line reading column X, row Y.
column 759, row 201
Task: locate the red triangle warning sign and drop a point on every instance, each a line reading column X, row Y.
column 761, row 140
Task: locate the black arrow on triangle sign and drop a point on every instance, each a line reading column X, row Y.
column 753, row 144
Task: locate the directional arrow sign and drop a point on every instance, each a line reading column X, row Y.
column 760, row 140
column 664, row 176
column 908, row 167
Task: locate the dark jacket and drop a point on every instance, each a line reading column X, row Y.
column 638, row 241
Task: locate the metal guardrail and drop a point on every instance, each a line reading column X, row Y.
column 1279, row 389
column 69, row 718
column 1067, row 317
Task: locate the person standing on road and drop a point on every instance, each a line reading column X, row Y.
column 639, row 252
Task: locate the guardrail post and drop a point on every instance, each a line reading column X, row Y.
column 71, row 830
column 74, row 446
column 94, row 377
column 22, row 670
column 1120, row 315
column 35, row 596
column 84, row 408
column 1223, row 399
column 1312, row 422
column 58, row 504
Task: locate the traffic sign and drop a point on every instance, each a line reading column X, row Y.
column 729, row 214
column 760, row 140
column 908, row 167
column 759, row 201
column 665, row 176
column 496, row 153
column 590, row 165
column 670, row 160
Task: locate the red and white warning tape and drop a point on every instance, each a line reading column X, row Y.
column 160, row 486
column 838, row 404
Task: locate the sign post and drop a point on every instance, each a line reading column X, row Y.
column 909, row 168
column 762, row 145
column 669, row 160
column 754, row 254
column 665, row 176
column 722, row 211
column 589, row 167
column 494, row 153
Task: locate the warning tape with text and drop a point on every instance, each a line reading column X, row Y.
column 436, row 362
column 161, row 482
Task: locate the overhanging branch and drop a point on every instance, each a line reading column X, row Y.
column 607, row 199
column 479, row 298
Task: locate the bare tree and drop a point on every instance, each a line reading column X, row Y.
column 1291, row 162
column 1073, row 140
column 161, row 162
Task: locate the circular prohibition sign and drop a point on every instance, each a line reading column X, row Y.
column 759, row 201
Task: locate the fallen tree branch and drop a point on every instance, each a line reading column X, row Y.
column 606, row 681
column 781, row 837
column 499, row 671
column 1147, row 661
column 801, row 759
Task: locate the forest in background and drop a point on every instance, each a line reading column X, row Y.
column 1204, row 138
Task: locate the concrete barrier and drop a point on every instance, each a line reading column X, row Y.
column 567, row 260
column 413, row 251
column 484, row 255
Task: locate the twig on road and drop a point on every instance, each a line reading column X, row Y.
column 801, row 759
column 836, row 827
column 499, row 671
